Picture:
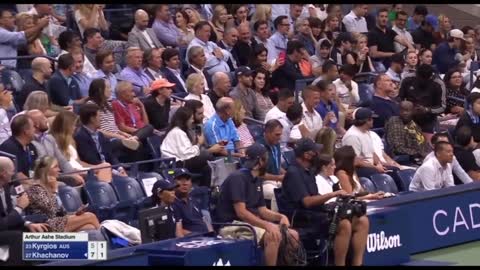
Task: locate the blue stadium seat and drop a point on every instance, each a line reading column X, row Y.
column 154, row 142
column 70, row 198
column 406, row 176
column 255, row 127
column 384, row 182
column 289, row 157
column 368, row 185
column 129, row 190
column 104, row 202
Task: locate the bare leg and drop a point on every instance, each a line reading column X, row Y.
column 74, row 223
column 360, row 228
column 342, row 241
column 271, row 249
column 87, row 227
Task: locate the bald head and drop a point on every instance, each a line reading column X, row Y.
column 40, row 121
column 221, row 83
column 224, row 103
column 244, row 33
column 141, row 19
column 7, row 169
column 406, row 111
column 42, row 66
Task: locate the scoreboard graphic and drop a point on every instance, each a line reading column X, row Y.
column 62, row 246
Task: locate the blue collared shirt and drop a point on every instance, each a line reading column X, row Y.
column 213, row 64
column 138, row 78
column 110, row 77
column 323, row 109
column 216, row 130
column 94, row 135
column 444, row 57
column 83, row 83
column 167, row 33
column 276, row 43
column 9, row 41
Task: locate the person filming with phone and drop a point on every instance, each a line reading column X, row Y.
column 286, row 75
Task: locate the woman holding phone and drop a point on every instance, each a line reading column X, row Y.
column 44, row 200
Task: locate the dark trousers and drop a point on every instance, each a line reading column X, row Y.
column 199, row 165
column 12, row 239
column 128, row 155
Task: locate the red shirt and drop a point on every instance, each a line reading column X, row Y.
column 128, row 114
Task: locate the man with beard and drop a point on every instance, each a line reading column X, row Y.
column 241, row 201
column 187, row 213
column 47, row 146
column 244, row 92
column 404, row 136
column 41, row 72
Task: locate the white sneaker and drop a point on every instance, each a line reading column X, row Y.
column 131, row 144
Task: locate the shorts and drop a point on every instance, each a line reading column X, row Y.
column 241, row 232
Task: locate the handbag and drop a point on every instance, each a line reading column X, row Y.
column 221, row 170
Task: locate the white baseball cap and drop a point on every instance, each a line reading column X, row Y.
column 456, row 33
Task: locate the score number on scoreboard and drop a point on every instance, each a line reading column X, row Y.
column 62, row 246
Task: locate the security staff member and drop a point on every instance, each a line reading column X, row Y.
column 188, row 213
column 241, row 201
column 163, row 195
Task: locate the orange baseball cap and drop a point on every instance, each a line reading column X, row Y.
column 161, row 83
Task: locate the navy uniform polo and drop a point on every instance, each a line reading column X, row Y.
column 25, row 157
column 298, row 184
column 240, row 186
column 168, row 227
column 190, row 216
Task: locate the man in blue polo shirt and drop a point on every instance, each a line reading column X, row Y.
column 447, row 55
column 221, row 129
column 275, row 173
column 241, row 201
column 382, row 105
column 187, row 213
column 301, row 192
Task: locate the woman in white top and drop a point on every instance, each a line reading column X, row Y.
column 5, row 103
column 196, row 87
column 347, row 176
column 183, row 144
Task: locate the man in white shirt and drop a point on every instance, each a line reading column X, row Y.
column 355, row 20
column 280, row 9
column 358, row 137
column 400, row 28
column 216, row 57
column 435, row 173
column 141, row 36
column 347, row 88
column 286, row 99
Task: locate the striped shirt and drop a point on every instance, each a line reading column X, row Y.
column 107, row 119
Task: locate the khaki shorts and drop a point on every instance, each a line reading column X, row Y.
column 241, row 232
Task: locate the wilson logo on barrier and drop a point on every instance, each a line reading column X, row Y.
column 378, row 242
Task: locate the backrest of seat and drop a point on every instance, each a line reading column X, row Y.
column 201, row 196
column 154, row 142
column 70, row 198
column 127, row 189
column 406, row 176
column 289, row 157
column 101, row 194
column 384, row 182
column 368, row 185
column 146, row 180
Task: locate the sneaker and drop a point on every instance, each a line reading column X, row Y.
column 131, row 144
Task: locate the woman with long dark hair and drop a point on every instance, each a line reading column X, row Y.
column 347, row 175
column 180, row 143
column 261, row 79
column 258, row 59
column 455, row 89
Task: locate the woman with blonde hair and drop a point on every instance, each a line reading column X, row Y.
column 193, row 16
column 38, row 100
column 90, row 16
column 246, row 138
column 219, row 21
column 43, row 200
column 263, row 12
column 196, row 87
column 362, row 59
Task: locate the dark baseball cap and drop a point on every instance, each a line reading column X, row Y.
column 363, row 114
column 306, row 144
column 182, row 172
column 162, row 185
column 243, row 71
column 253, row 153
